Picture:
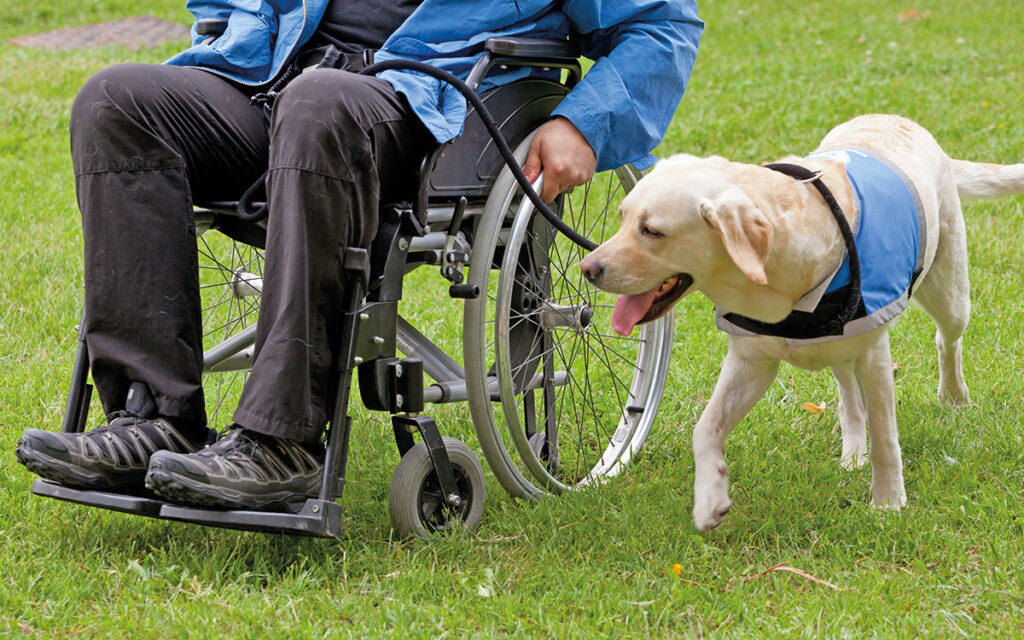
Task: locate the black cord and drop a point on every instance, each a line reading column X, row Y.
column 495, row 132
column 242, row 208
column 492, row 128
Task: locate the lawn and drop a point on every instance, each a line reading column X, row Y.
column 801, row 554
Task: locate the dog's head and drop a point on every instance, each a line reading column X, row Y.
column 687, row 225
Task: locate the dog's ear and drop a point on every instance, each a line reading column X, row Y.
column 746, row 234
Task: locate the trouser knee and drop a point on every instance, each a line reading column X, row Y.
column 109, row 130
column 92, row 106
column 321, row 123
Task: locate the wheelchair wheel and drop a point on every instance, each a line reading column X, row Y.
column 574, row 400
column 415, row 500
column 230, row 281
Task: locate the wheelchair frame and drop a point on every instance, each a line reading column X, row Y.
column 437, row 230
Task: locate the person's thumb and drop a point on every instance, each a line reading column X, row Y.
column 532, row 167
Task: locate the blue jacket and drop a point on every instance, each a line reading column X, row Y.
column 890, row 242
column 644, row 51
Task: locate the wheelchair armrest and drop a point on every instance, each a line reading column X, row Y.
column 527, row 52
column 211, row 27
column 532, row 48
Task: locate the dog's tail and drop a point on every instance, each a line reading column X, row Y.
column 982, row 180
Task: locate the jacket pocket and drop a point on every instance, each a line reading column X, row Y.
column 248, row 41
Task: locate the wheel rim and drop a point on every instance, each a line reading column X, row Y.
column 563, row 375
column 600, row 449
column 434, row 513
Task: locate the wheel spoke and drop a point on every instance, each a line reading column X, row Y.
column 543, row 331
column 224, row 312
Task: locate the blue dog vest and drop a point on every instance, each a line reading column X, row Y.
column 889, row 239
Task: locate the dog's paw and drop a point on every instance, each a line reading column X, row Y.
column 851, row 460
column 708, row 517
column 711, row 495
column 954, row 395
column 893, row 502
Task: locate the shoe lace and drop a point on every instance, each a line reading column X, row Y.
column 233, row 442
column 280, row 458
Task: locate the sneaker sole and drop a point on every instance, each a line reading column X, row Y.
column 72, row 475
column 187, row 491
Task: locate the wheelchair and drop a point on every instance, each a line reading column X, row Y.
column 557, row 401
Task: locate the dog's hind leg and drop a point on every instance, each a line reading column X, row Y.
column 945, row 294
column 874, row 371
column 740, row 385
column 852, row 419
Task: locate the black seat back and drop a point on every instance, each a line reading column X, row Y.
column 469, row 165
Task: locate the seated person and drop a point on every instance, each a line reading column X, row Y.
column 147, row 141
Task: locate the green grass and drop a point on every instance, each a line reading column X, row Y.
column 771, row 79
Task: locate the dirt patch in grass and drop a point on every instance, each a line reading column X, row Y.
column 136, row 33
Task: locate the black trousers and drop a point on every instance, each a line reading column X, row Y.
column 147, row 141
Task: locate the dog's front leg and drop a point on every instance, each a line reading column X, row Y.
column 852, row 419
column 740, row 385
column 874, row 370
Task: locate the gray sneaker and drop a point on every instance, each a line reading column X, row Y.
column 114, row 457
column 242, row 470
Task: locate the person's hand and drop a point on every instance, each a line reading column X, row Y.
column 565, row 156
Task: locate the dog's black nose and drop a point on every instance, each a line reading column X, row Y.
column 592, row 268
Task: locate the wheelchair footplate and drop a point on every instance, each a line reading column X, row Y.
column 316, row 518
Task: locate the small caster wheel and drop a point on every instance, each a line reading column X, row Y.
column 415, row 499
column 544, row 453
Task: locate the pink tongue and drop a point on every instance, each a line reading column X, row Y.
column 630, row 309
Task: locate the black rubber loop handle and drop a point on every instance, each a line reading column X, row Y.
column 492, row 129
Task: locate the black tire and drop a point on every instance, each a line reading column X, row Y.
column 415, row 501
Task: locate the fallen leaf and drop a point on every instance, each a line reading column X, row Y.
column 810, row 407
column 912, row 14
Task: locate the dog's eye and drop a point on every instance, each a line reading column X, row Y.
column 650, row 233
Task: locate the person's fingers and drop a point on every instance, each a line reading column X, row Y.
column 563, row 154
column 552, row 186
column 533, row 166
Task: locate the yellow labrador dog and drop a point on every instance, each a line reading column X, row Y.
column 791, row 283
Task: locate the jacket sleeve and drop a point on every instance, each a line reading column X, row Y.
column 643, row 52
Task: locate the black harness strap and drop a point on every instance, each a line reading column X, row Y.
column 797, row 322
